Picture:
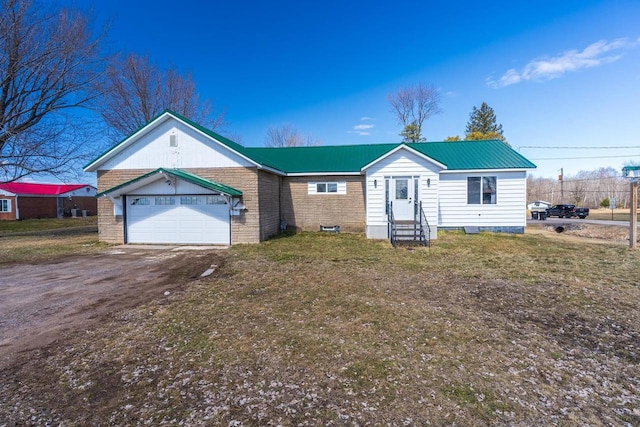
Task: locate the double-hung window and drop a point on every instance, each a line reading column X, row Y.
column 5, row 205
column 482, row 190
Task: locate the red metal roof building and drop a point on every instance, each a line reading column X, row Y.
column 23, row 200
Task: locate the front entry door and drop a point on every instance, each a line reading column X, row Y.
column 402, row 195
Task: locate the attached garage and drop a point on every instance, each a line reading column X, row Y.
column 182, row 219
column 175, row 207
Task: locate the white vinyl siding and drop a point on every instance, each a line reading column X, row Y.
column 509, row 210
column 407, row 164
column 192, row 150
column 327, row 187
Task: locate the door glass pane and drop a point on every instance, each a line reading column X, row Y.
column 402, row 189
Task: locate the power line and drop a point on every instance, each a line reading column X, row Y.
column 587, row 157
column 579, row 148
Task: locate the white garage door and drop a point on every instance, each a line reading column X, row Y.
column 182, row 219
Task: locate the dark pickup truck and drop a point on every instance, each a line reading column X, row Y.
column 567, row 211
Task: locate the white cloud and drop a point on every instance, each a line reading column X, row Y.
column 594, row 55
column 362, row 129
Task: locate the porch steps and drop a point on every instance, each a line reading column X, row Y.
column 409, row 233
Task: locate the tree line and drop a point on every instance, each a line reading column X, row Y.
column 598, row 188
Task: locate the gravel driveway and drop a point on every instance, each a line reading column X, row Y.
column 40, row 304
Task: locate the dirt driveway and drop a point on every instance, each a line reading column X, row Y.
column 40, row 304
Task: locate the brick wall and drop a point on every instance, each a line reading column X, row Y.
column 269, row 192
column 309, row 211
column 245, row 228
column 37, row 207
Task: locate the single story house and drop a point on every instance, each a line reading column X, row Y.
column 25, row 200
column 174, row 181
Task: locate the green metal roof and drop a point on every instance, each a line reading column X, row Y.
column 186, row 176
column 469, row 155
column 319, row 159
column 455, row 155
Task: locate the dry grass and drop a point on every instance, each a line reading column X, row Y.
column 41, row 240
column 607, row 215
column 318, row 329
column 30, row 225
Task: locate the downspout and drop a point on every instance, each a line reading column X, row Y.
column 17, row 210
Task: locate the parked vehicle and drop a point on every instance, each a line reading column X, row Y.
column 581, row 213
column 567, row 211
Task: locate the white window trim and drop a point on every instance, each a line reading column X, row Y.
column 341, row 187
column 482, row 203
column 8, row 206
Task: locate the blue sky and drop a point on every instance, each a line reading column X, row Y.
column 557, row 73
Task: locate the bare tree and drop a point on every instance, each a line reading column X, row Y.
column 413, row 105
column 135, row 91
column 49, row 60
column 288, row 136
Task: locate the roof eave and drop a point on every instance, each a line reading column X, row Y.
column 324, row 173
column 481, row 170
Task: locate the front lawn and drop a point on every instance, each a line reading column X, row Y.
column 333, row 329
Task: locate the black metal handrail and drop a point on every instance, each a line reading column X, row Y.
column 391, row 225
column 425, row 238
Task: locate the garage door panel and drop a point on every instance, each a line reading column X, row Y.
column 195, row 221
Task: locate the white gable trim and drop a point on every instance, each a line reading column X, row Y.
column 410, row 150
column 132, row 139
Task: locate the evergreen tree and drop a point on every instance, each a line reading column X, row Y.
column 411, row 133
column 482, row 124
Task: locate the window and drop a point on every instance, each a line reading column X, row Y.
column 5, row 205
column 216, row 200
column 402, row 189
column 386, row 195
column 190, row 200
column 482, row 190
column 165, row 201
column 141, row 201
column 327, row 188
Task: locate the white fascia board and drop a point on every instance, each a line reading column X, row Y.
column 486, row 170
column 270, row 169
column 135, row 185
column 409, row 149
column 324, row 174
column 93, row 166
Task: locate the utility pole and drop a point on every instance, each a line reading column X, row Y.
column 633, row 223
column 633, row 172
column 561, row 179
